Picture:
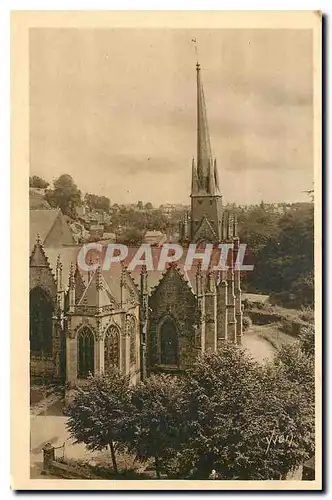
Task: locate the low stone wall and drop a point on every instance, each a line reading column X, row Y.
column 66, row 471
column 290, row 325
column 60, row 469
column 261, row 317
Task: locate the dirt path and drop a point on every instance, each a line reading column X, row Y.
column 259, row 348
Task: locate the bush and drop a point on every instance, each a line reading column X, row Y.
column 246, row 323
column 307, row 340
column 307, row 314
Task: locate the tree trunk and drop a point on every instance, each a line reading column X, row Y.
column 115, row 467
column 156, row 464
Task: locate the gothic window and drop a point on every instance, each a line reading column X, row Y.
column 111, row 348
column 85, row 349
column 41, row 322
column 131, row 330
column 168, row 343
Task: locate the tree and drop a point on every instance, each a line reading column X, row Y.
column 99, row 413
column 298, row 362
column 131, row 237
column 37, row 182
column 156, row 426
column 148, row 206
column 281, row 247
column 307, row 340
column 65, row 195
column 97, row 202
column 236, row 407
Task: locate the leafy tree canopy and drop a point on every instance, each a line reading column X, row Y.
column 97, row 202
column 64, row 195
column 158, row 419
column 235, row 408
column 37, row 182
column 99, row 413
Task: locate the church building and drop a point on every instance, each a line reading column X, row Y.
column 141, row 321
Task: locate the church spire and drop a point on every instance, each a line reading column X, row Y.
column 206, row 201
column 205, row 167
column 194, row 179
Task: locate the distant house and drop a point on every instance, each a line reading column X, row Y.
column 81, row 211
column 51, row 228
column 80, row 234
column 96, row 231
column 110, row 237
column 154, row 238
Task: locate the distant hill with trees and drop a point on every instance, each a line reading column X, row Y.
column 281, row 247
column 279, row 237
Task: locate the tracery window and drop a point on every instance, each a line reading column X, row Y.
column 85, row 348
column 132, row 332
column 111, row 348
column 41, row 322
column 168, row 343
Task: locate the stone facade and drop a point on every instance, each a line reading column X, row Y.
column 96, row 319
column 173, row 301
column 92, row 322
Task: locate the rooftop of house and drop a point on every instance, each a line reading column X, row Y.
column 41, row 222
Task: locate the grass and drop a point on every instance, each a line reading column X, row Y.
column 273, row 334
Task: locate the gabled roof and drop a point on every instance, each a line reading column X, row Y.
column 175, row 270
column 205, row 231
column 112, row 277
column 97, row 292
column 41, row 223
column 69, row 255
column 52, row 228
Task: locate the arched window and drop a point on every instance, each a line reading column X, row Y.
column 111, row 348
column 132, row 332
column 168, row 343
column 41, row 322
column 85, row 348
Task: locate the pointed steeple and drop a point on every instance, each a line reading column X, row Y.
column 216, row 175
column 206, row 200
column 211, row 179
column 204, row 154
column 194, row 178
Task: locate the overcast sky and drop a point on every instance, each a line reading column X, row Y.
column 116, row 109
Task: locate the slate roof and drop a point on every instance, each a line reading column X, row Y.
column 41, row 223
column 94, row 298
column 69, row 254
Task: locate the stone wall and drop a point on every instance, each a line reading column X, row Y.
column 173, row 299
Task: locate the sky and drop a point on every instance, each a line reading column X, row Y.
column 116, row 109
